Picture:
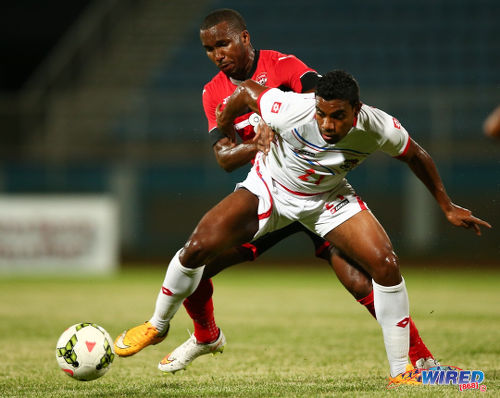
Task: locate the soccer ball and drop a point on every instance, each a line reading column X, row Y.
column 85, row 351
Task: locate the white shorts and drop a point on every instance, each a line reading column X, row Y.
column 279, row 206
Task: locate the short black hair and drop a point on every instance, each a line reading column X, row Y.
column 338, row 84
column 232, row 17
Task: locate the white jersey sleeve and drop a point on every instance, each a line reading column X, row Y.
column 397, row 141
column 394, row 139
column 283, row 111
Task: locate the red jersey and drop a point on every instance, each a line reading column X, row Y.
column 272, row 69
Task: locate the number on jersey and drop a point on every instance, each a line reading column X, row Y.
column 311, row 176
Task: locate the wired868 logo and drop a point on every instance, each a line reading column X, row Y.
column 445, row 375
column 465, row 379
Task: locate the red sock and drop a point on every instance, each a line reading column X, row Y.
column 200, row 308
column 322, row 250
column 368, row 303
column 417, row 347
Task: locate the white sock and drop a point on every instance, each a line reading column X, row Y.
column 180, row 282
column 393, row 312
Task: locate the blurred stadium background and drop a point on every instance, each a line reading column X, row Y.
column 103, row 98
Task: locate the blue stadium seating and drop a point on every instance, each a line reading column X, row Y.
column 386, row 44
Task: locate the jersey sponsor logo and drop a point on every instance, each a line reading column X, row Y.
column 304, row 152
column 334, row 208
column 403, row 322
column 261, row 78
column 276, row 107
column 396, row 123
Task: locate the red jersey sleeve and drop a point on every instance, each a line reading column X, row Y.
column 209, row 106
column 292, row 69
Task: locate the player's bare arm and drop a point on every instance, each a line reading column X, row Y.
column 231, row 155
column 245, row 96
column 422, row 165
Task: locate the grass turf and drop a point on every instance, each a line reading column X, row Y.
column 291, row 333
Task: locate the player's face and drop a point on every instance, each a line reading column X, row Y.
column 229, row 50
column 335, row 118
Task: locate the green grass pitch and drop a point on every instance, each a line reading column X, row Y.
column 291, row 333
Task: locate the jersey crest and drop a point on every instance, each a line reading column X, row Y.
column 261, row 78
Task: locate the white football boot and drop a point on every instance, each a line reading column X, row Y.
column 426, row 363
column 188, row 351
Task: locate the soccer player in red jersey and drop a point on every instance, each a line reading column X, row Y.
column 227, row 43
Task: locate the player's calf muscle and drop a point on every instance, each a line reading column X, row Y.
column 355, row 280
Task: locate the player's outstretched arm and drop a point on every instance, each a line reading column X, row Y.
column 425, row 169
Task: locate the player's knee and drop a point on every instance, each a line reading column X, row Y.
column 386, row 269
column 197, row 250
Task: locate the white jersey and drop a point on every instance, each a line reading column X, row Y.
column 303, row 162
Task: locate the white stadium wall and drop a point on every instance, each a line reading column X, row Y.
column 58, row 234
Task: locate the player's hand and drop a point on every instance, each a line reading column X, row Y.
column 226, row 127
column 462, row 217
column 263, row 137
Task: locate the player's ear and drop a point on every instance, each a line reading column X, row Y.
column 245, row 37
column 357, row 108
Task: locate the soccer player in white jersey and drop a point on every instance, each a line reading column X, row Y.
column 318, row 138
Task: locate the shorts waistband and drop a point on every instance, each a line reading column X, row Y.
column 298, row 193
